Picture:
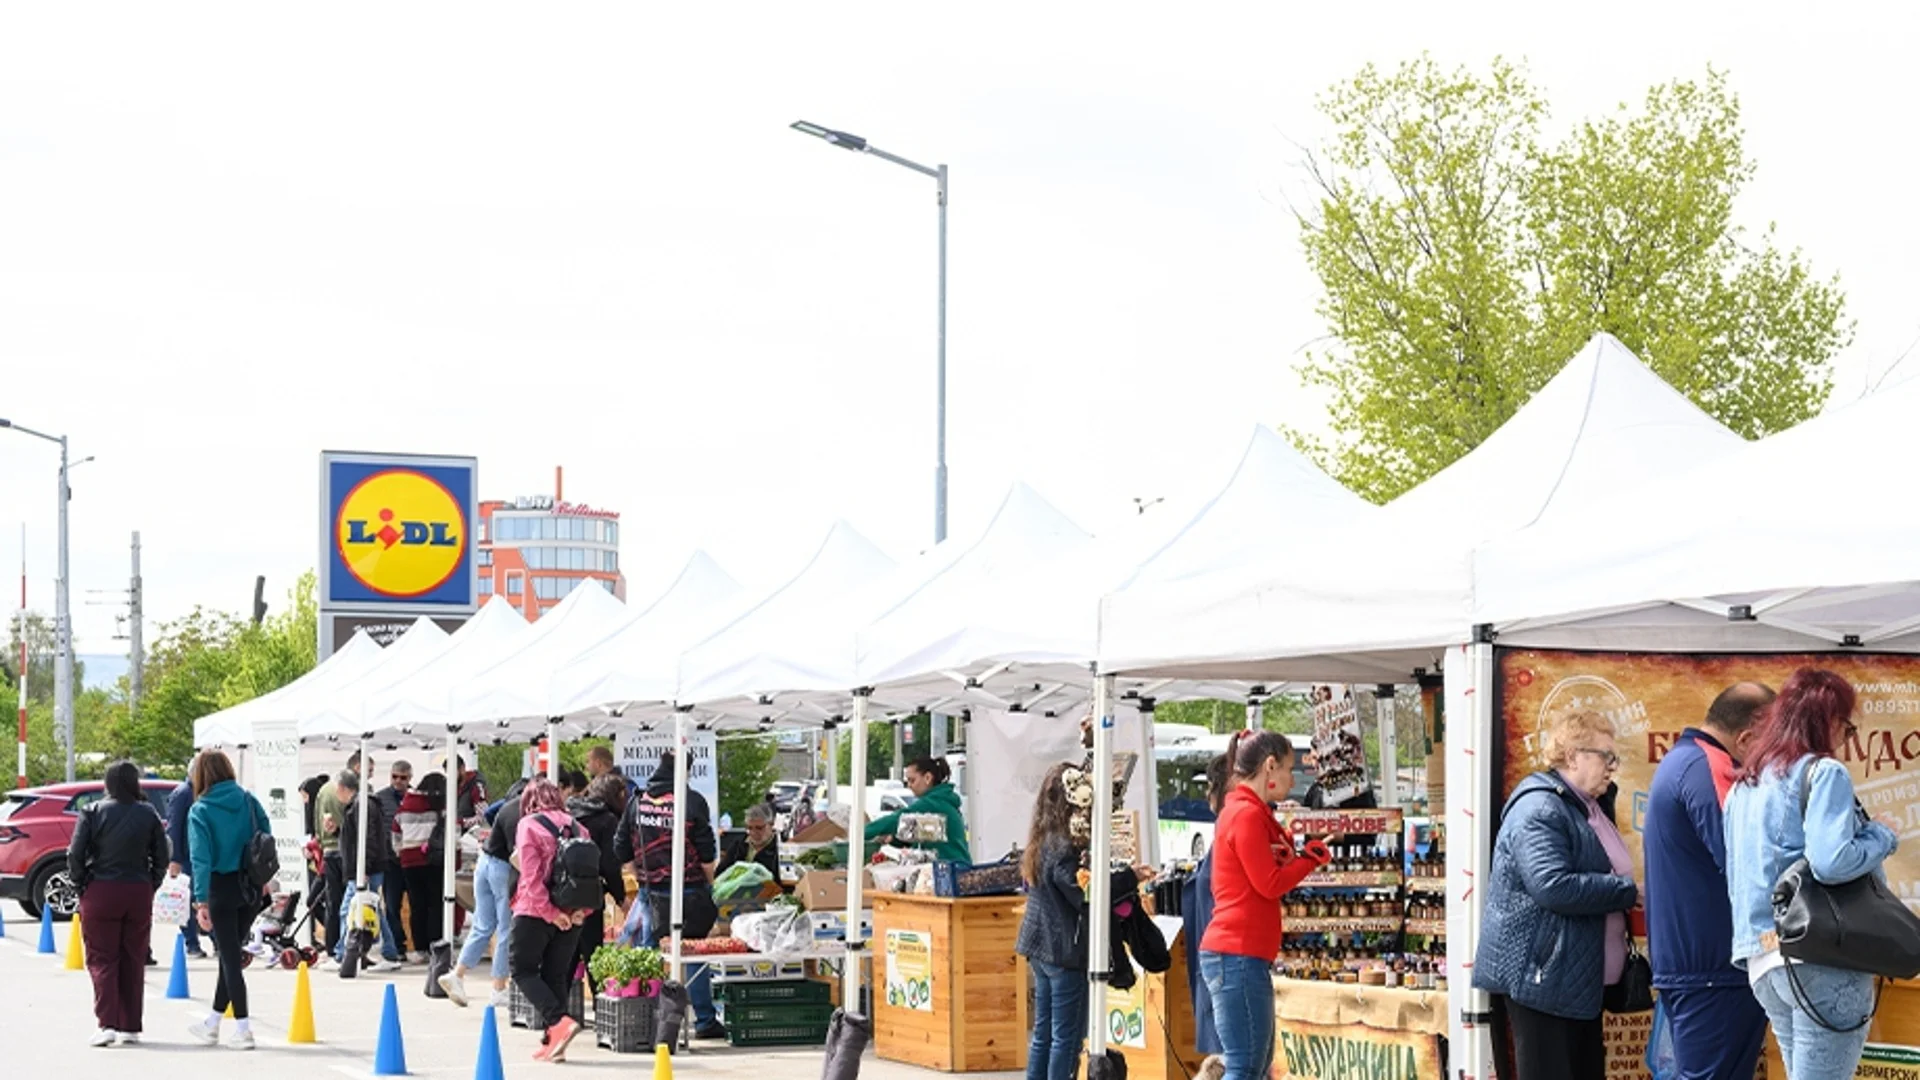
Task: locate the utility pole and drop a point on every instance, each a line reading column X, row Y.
column 136, row 642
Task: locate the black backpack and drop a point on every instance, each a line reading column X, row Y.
column 573, row 880
column 261, row 863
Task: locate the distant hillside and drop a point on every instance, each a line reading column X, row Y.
column 102, row 670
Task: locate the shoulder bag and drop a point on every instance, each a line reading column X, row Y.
column 1857, row 925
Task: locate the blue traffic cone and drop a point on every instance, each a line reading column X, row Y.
column 389, row 1054
column 488, row 1066
column 46, row 931
column 3, row 926
column 177, row 974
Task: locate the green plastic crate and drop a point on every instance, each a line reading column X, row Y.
column 788, row 992
column 778, row 1035
column 779, row 1015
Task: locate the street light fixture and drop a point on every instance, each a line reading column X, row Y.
column 855, row 143
column 62, row 620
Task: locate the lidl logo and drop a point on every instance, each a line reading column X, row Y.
column 401, row 533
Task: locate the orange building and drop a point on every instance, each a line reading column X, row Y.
column 536, row 549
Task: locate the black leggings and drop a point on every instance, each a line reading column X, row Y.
column 541, row 957
column 423, row 900
column 229, row 910
column 1548, row 1047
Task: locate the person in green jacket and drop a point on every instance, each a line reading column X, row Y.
column 929, row 779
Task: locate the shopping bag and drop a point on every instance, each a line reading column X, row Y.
column 172, row 903
column 1659, row 1057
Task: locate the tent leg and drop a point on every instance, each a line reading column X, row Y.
column 1099, row 859
column 899, row 752
column 366, row 786
column 1256, row 708
column 1469, row 688
column 677, row 902
column 453, row 823
column 1150, row 784
column 553, row 749
column 856, row 857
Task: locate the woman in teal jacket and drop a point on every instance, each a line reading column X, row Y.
column 224, row 819
column 930, row 779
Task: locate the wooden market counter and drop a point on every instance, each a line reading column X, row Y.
column 949, row 993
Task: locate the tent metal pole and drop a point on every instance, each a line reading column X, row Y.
column 1256, row 708
column 1469, row 691
column 856, row 857
column 553, row 749
column 1385, row 721
column 1099, row 859
column 452, row 823
column 1150, row 784
column 366, row 786
column 677, row 902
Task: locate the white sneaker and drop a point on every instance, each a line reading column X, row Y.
column 384, row 965
column 129, row 1038
column 204, row 1033
column 103, row 1037
column 240, row 1040
column 455, row 988
column 417, row 958
column 500, row 999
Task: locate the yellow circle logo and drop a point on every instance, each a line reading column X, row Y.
column 401, row 533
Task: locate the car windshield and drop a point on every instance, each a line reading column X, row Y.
column 13, row 804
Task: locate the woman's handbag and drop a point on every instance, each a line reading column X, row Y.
column 1857, row 925
column 1634, row 992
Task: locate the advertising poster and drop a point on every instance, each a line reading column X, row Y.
column 637, row 754
column 1652, row 698
column 910, row 970
column 276, row 783
column 396, row 539
column 1304, row 1051
column 1338, row 749
column 1127, row 1014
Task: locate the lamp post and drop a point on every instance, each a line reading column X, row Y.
column 62, row 628
column 939, row 175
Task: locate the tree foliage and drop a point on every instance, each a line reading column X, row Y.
column 747, row 770
column 1463, row 259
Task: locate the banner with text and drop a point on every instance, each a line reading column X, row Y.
column 275, row 750
column 1652, row 698
column 637, row 754
column 1305, row 1051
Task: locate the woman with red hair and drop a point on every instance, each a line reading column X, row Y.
column 1795, row 800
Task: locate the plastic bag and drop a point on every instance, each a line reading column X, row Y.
column 891, row 877
column 783, row 932
column 740, row 879
column 921, row 829
column 1660, row 1057
column 172, row 903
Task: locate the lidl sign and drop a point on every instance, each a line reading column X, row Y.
column 398, row 532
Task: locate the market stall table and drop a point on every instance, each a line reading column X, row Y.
column 949, row 992
column 1320, row 1023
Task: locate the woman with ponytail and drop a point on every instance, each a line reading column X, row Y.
column 1254, row 864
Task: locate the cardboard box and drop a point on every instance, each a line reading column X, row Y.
column 824, row 831
column 826, row 890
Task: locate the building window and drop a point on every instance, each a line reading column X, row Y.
column 486, row 557
column 514, row 584
column 483, row 530
column 613, row 533
column 608, row 582
column 486, row 585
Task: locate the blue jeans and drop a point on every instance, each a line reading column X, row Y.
column 389, row 945
column 1059, row 1021
column 1841, row 998
column 492, row 915
column 1241, row 989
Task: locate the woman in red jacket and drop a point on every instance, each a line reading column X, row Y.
column 1254, row 865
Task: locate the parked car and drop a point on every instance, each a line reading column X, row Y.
column 35, row 826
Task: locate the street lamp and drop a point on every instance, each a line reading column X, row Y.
column 939, row 174
column 62, row 623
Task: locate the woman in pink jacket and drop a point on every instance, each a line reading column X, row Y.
column 544, row 938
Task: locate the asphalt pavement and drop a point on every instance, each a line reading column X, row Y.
column 46, row 1017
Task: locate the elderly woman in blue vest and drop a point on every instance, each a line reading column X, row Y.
column 1555, row 931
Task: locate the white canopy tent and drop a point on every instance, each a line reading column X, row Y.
column 638, row 665
column 337, row 714
column 1396, row 600
column 234, row 726
column 512, row 694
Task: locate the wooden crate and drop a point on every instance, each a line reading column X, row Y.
column 976, row 1018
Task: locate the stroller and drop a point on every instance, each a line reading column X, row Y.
column 276, row 934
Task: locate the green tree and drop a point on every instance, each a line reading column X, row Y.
column 880, row 748
column 1286, row 713
column 747, row 770
column 1462, row 260
column 279, row 650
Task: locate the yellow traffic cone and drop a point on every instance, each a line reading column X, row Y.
column 662, row 1063
column 300, row 1028
column 229, row 1012
column 76, row 949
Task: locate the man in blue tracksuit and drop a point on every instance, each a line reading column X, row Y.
column 1717, row 1025
column 179, row 803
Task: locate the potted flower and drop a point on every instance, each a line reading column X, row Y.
column 629, row 980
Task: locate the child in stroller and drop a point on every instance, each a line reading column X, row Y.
column 275, row 937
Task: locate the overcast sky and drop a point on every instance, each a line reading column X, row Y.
column 232, row 236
